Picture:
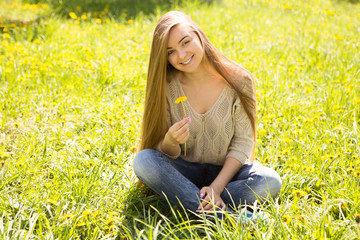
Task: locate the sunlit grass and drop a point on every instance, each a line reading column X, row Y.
column 71, row 97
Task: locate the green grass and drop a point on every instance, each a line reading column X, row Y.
column 71, row 100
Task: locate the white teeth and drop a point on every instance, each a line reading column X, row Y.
column 187, row 61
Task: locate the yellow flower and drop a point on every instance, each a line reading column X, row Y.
column 51, row 201
column 68, row 216
column 6, row 35
column 299, row 193
column 300, row 218
column 286, row 219
column 266, row 160
column 73, row 15
column 95, row 214
column 113, row 213
column 180, row 99
column 86, row 212
column 262, row 132
column 80, row 224
column 357, row 217
column 110, row 220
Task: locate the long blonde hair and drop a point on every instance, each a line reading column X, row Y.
column 154, row 125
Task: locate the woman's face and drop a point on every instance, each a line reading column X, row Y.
column 185, row 52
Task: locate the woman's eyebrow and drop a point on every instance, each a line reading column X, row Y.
column 180, row 40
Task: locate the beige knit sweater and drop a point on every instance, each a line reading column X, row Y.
column 223, row 131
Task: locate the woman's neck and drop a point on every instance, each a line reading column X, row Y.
column 204, row 73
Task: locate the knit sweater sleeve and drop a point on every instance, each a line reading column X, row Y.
column 242, row 143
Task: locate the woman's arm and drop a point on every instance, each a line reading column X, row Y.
column 213, row 192
column 177, row 134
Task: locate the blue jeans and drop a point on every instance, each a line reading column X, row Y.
column 181, row 181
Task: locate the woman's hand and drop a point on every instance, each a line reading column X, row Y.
column 179, row 132
column 210, row 199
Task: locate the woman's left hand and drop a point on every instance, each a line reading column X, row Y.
column 210, row 198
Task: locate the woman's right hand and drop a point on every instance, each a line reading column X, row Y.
column 178, row 133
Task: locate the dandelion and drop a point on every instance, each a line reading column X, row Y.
column 113, row 213
column 331, row 141
column 357, row 173
column 300, row 218
column 68, row 216
column 5, row 155
column 87, row 212
column 286, row 152
column 6, row 35
column 80, row 224
column 357, row 217
column 73, row 15
column 110, row 220
column 133, row 149
column 30, row 171
column 348, row 151
column 267, row 159
column 181, row 100
column 286, row 219
column 51, row 201
column 262, row 132
column 330, row 12
column 299, row 193
column 111, row 228
column 95, row 214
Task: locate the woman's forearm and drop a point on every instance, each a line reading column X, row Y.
column 170, row 148
column 228, row 171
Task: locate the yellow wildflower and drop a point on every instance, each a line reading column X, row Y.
column 6, row 35
column 73, row 15
column 80, row 224
column 286, row 219
column 51, row 201
column 86, row 212
column 180, row 99
column 299, row 193
column 110, row 220
column 68, row 216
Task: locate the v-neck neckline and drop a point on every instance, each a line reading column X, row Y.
column 182, row 93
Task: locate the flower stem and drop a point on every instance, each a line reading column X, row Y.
column 185, row 116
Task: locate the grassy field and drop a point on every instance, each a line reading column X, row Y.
column 72, row 78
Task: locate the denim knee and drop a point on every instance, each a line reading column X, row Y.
column 143, row 162
column 274, row 183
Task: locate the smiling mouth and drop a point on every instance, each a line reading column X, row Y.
column 184, row 63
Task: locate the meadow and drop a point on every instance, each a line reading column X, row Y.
column 72, row 80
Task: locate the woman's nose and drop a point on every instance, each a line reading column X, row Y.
column 182, row 54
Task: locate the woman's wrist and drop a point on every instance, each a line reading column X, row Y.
column 169, row 148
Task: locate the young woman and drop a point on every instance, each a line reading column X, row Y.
column 217, row 168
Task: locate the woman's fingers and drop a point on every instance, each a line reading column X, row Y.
column 180, row 130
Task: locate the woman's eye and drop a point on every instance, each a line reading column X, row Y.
column 186, row 42
column 170, row 52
